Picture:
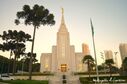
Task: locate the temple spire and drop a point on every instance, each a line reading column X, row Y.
column 62, row 26
column 62, row 20
column 62, row 11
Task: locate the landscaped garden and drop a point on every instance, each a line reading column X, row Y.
column 26, row 82
column 104, row 79
column 35, row 74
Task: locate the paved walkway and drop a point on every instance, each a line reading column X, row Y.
column 58, row 78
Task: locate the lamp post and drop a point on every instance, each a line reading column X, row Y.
column 92, row 29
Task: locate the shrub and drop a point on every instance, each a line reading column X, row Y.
column 64, row 81
column 64, row 76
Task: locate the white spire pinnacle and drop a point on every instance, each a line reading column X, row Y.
column 62, row 20
column 62, row 26
column 62, row 11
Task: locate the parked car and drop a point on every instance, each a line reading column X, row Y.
column 6, row 77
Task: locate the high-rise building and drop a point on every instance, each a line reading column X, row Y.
column 123, row 50
column 108, row 54
column 85, row 49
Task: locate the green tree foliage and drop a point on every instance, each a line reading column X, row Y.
column 109, row 63
column 23, row 65
column 87, row 59
column 4, row 62
column 14, row 42
column 36, row 16
column 36, row 67
column 123, row 69
column 124, row 64
column 104, row 68
column 100, row 67
column 26, row 61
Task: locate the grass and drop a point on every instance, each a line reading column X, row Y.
column 92, row 73
column 26, row 82
column 104, row 79
column 35, row 74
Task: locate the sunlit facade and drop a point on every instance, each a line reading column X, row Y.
column 123, row 50
column 85, row 49
column 108, row 54
column 63, row 57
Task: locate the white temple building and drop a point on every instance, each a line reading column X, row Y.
column 63, row 57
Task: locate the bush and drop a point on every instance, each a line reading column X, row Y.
column 26, row 82
column 86, row 80
column 64, row 81
column 64, row 76
column 35, row 74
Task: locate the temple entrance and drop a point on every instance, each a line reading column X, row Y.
column 63, row 67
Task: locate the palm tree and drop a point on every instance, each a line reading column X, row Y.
column 88, row 60
column 36, row 16
column 109, row 63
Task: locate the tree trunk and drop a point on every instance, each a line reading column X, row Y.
column 14, row 65
column 89, row 68
column 9, row 63
column 2, row 66
column 16, row 55
column 110, row 70
column 30, row 65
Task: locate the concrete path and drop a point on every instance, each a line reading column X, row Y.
column 57, row 79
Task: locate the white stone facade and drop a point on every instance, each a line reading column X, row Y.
column 63, row 56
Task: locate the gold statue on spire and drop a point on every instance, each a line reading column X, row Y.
column 62, row 11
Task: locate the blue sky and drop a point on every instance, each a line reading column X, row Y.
column 109, row 20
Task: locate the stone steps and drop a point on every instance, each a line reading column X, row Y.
column 57, row 79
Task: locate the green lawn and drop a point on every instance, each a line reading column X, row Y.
column 26, row 82
column 104, row 79
column 35, row 74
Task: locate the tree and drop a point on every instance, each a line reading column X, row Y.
column 124, row 64
column 8, row 46
column 88, row 60
column 26, row 60
column 14, row 42
column 100, row 67
column 36, row 16
column 123, row 69
column 36, row 67
column 109, row 63
column 4, row 64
